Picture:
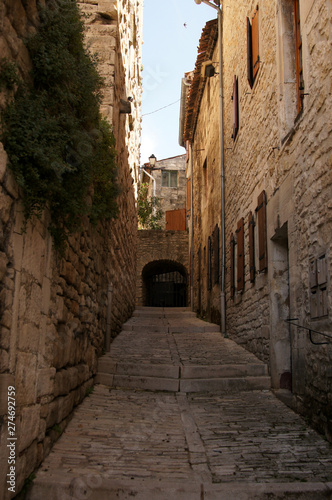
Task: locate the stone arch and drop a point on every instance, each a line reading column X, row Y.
column 158, row 251
column 164, row 284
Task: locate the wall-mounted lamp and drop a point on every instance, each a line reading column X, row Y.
column 152, row 160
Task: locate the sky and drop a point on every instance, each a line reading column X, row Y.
column 171, row 33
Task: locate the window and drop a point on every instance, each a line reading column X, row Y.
column 298, row 57
column 216, row 256
column 252, row 47
column 232, row 264
column 262, row 234
column 169, row 178
column 318, row 287
column 209, row 264
column 251, row 227
column 240, row 255
column 235, row 98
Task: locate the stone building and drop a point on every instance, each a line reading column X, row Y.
column 169, row 186
column 57, row 314
column 275, row 155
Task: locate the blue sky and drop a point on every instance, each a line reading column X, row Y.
column 171, row 32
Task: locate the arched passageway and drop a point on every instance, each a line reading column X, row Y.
column 164, row 284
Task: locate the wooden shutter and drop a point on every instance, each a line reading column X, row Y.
column 262, row 234
column 188, row 199
column 251, row 228
column 236, row 107
column 176, row 220
column 240, row 255
column 249, row 53
column 209, row 265
column 298, row 57
column 231, row 265
column 255, row 43
column 216, row 255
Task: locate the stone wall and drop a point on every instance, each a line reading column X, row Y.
column 164, row 247
column 287, row 155
column 57, row 312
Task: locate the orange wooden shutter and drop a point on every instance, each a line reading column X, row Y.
column 255, row 43
column 240, row 255
column 249, row 53
column 262, row 236
column 176, row 220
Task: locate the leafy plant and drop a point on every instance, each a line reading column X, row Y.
column 8, row 75
column 60, row 149
column 149, row 210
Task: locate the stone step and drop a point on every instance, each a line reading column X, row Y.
column 99, row 487
column 183, row 385
column 175, row 378
column 108, row 366
column 143, row 327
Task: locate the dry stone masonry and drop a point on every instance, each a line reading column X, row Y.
column 55, row 311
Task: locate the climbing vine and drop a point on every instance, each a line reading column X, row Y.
column 60, row 149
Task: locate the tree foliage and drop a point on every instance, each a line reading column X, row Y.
column 60, row 149
column 149, row 210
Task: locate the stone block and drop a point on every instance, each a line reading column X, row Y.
column 3, row 265
column 29, row 336
column 28, row 426
column 45, row 381
column 25, row 379
column 6, row 380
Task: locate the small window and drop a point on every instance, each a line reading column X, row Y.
column 216, row 255
column 252, row 47
column 232, row 265
column 251, row 228
column 169, row 178
column 262, row 232
column 209, row 264
column 240, row 255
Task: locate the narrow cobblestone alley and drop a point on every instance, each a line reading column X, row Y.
column 180, row 412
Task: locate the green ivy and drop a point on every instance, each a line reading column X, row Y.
column 60, row 149
column 149, row 210
column 8, row 75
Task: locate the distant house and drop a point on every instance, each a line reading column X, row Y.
column 169, row 186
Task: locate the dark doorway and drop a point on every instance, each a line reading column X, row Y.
column 165, row 284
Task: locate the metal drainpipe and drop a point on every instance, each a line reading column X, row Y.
column 154, row 187
column 192, row 225
column 223, row 258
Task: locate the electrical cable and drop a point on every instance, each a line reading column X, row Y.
column 168, row 105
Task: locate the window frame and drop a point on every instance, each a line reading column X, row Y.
column 169, row 176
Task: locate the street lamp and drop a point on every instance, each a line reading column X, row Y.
column 223, row 259
column 152, row 160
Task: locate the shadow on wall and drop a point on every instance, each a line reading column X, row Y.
column 165, row 284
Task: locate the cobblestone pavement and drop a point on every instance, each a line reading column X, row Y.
column 126, row 443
